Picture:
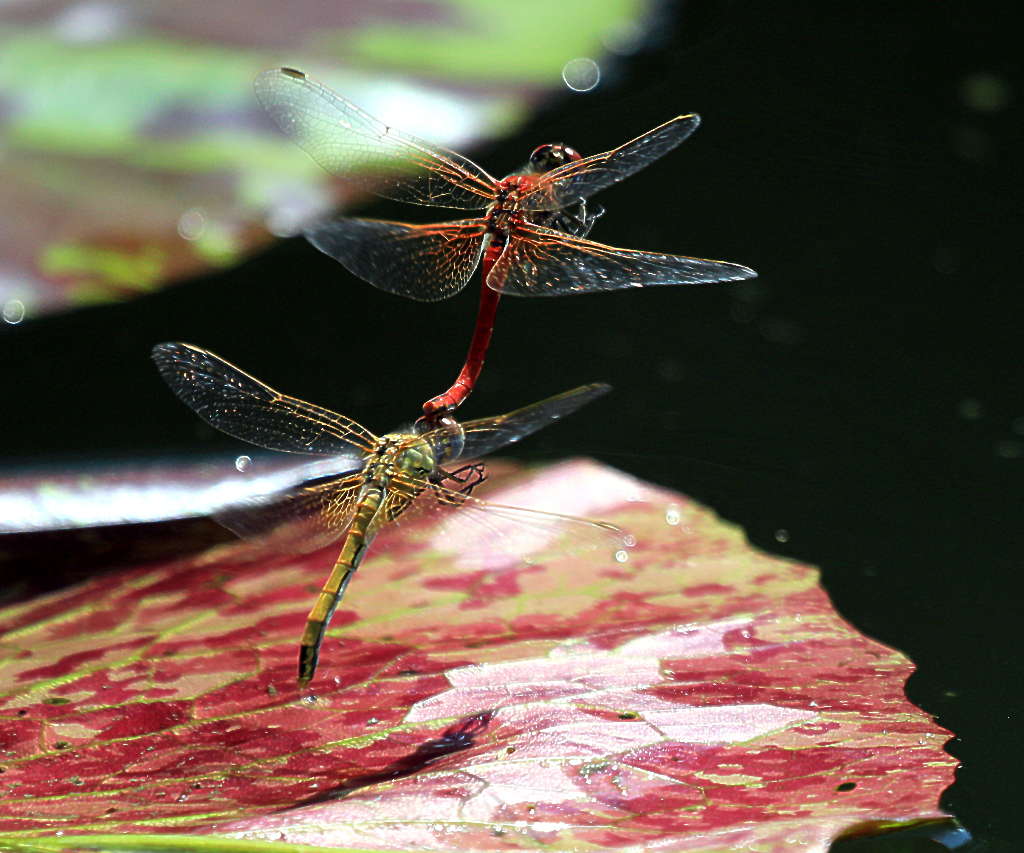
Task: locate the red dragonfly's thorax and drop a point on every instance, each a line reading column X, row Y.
column 506, row 205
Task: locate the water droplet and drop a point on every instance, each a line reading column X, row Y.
column 295, row 206
column 243, row 463
column 90, row 22
column 985, row 92
column 813, row 704
column 672, row 516
column 1009, row 449
column 782, row 535
column 192, row 224
column 14, row 311
column 625, row 38
column 621, row 556
column 581, row 74
column 372, row 721
column 59, row 833
column 970, row 409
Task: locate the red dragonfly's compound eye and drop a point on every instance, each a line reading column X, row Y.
column 547, row 157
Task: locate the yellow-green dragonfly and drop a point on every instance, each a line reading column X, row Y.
column 377, row 478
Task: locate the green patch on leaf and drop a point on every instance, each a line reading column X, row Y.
column 103, row 268
column 158, row 844
column 496, row 41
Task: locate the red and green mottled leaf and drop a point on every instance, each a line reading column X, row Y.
column 700, row 696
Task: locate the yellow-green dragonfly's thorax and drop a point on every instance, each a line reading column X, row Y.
column 407, row 457
column 412, row 457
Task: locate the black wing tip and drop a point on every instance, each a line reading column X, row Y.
column 173, row 350
column 170, row 346
column 261, row 82
column 282, row 70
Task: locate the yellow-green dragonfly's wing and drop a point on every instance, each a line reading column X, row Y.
column 303, row 518
column 241, row 406
column 480, row 534
column 485, row 435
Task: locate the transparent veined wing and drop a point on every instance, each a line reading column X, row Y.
column 485, row 435
column 241, row 406
column 423, row 262
column 399, row 498
column 543, row 262
column 350, row 143
column 303, row 518
column 581, row 179
column 483, row 535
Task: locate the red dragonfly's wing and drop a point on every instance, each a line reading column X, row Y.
column 240, row 405
column 581, row 179
column 354, row 145
column 424, row 262
column 543, row 262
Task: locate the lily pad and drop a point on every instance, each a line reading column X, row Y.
column 700, row 696
column 133, row 153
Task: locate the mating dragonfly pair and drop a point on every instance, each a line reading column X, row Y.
column 531, row 241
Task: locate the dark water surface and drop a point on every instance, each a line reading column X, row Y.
column 859, row 406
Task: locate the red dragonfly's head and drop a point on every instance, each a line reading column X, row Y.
column 547, row 157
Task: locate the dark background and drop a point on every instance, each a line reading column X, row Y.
column 863, row 395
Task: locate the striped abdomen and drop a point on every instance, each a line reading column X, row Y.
column 358, row 538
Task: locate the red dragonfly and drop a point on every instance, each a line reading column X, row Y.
column 531, row 236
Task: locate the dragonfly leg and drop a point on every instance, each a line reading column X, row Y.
column 589, row 217
column 466, row 478
column 579, row 219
